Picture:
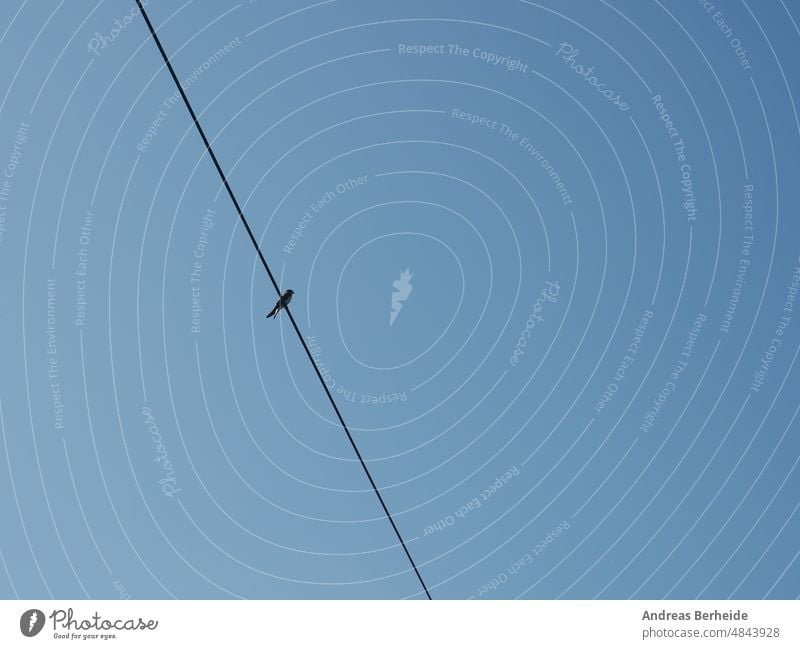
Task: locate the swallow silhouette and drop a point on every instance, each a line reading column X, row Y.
column 280, row 304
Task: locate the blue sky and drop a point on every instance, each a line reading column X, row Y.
column 589, row 390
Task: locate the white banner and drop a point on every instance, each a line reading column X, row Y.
column 386, row 624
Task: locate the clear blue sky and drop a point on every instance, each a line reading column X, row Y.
column 589, row 389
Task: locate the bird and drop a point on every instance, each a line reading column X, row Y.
column 280, row 304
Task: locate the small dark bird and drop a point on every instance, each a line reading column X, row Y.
column 280, row 304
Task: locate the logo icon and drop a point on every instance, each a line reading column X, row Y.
column 31, row 622
column 402, row 290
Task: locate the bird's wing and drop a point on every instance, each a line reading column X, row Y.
column 275, row 309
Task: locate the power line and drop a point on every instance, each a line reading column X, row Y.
column 277, row 288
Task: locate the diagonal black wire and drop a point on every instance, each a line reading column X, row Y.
column 277, row 289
